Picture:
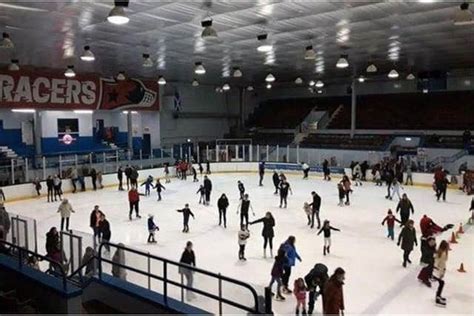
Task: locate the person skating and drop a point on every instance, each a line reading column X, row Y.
column 167, row 173
column 242, row 236
column 208, row 167
column 315, row 205
column 291, row 253
column 37, row 185
column 74, row 178
column 186, row 214
column 148, row 183
column 134, row 177
column 407, row 239
column 208, row 189
column 65, row 209
column 315, row 281
column 57, row 183
column 118, row 269
column 277, row 273
column 439, row 271
column 357, row 174
column 134, row 202
column 104, row 232
column 396, row 186
column 93, row 175
column 152, row 228
column 188, row 258
column 128, row 173
column 299, row 290
column 276, row 181
column 363, row 168
column 95, row 220
column 307, row 210
column 471, row 209
column 326, row 170
column 346, row 183
column 389, row 176
column 405, row 207
column 159, row 187
column 429, row 228
column 241, row 188
column 267, row 232
column 390, row 219
column 327, row 236
column 193, row 170
column 243, row 208
column 409, row 174
column 428, row 250
column 201, row 169
column 202, row 194
column 441, row 182
column 222, row 205
column 284, row 188
column 333, row 297
column 306, row 169
column 378, row 178
column 341, row 193
column 5, row 222
column 261, row 172
column 120, row 178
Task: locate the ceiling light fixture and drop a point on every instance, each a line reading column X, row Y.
column 199, row 68
column 195, row 83
column 209, row 32
column 70, row 72
column 83, row 111
column 310, row 54
column 393, row 74
column 361, row 79
column 270, row 78
column 126, row 112
column 299, row 80
column 269, row 86
column 147, row 62
column 117, row 15
column 311, row 83
column 319, row 84
column 250, row 88
column 264, row 45
column 342, row 62
column 411, row 76
column 87, row 55
column 371, row 68
column 226, row 87
column 14, row 66
column 6, row 41
column 161, row 80
column 237, row 72
column 463, row 16
column 320, row 91
column 24, row 110
column 121, row 76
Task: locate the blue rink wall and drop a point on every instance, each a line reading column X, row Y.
column 297, row 167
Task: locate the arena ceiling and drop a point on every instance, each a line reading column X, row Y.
column 406, row 35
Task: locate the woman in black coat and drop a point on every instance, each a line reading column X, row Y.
column 267, row 232
column 407, row 239
column 222, row 205
column 104, row 231
column 188, row 258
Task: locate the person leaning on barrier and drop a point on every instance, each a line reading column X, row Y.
column 4, row 221
column 119, row 258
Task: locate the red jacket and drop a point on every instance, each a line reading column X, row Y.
column 133, row 196
column 333, row 298
column 428, row 227
column 390, row 219
column 439, row 175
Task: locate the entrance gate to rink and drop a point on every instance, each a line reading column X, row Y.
column 23, row 233
column 73, row 246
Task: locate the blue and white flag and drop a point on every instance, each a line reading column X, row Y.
column 177, row 101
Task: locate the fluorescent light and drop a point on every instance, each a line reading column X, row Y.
column 226, row 87
column 361, row 79
column 161, row 80
column 270, row 78
column 463, row 16
column 269, row 86
column 83, row 111
column 411, row 76
column 87, row 55
column 14, row 65
column 371, row 68
column 6, row 41
column 311, row 83
column 310, row 54
column 70, row 72
column 249, row 88
column 299, row 80
column 199, row 68
column 342, row 62
column 117, row 15
column 264, row 45
column 320, row 91
column 126, row 112
column 24, row 110
column 121, row 76
column 209, row 32
column 237, row 72
column 319, row 84
column 425, row 91
column 147, row 62
column 408, row 139
column 195, row 83
column 393, row 74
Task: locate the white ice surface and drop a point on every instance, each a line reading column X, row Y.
column 376, row 282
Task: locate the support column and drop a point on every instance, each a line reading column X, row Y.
column 37, row 133
column 129, row 131
column 353, row 108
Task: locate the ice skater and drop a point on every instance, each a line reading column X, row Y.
column 378, row 178
column 396, row 186
column 277, row 273
column 357, row 174
column 439, row 271
column 241, row 188
column 316, row 281
column 299, row 290
column 307, row 210
column 186, row 214
column 407, row 239
column 267, row 232
column 208, row 189
column 405, row 206
column 326, row 170
column 202, row 194
column 346, row 183
column 128, row 173
column 159, row 187
column 37, row 185
column 306, row 169
column 201, row 169
column 188, row 258
column 284, row 188
column 134, row 202
column 152, row 228
column 390, row 219
column 242, row 236
column 193, row 170
column 57, row 184
column 341, row 193
column 327, row 236
column 315, row 205
column 428, row 250
column 243, row 208
column 289, row 246
column 95, row 221
column 167, row 173
column 104, row 232
column 120, row 178
column 208, row 167
column 148, row 185
column 276, row 181
column 261, row 172
column 65, row 209
column 222, row 205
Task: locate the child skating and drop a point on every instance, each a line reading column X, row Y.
column 327, row 235
column 202, row 192
column 277, row 273
column 342, row 193
column 148, row 185
column 308, row 211
column 396, row 186
column 299, row 290
column 390, row 219
column 241, row 188
column 186, row 214
column 152, row 228
column 242, row 235
column 159, row 187
column 378, row 178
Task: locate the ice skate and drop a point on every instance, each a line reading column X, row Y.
column 440, row 302
column 328, row 250
column 271, row 253
column 280, row 298
column 324, row 250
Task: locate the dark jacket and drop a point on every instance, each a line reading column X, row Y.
column 120, row 174
column 407, row 238
column 317, row 277
column 327, row 230
column 276, row 179
column 268, row 224
column 278, row 266
column 93, row 219
column 316, row 204
column 405, row 206
column 208, row 185
column 104, row 229
column 222, row 203
column 53, row 249
column 333, row 297
column 188, row 258
column 427, row 253
column 186, row 213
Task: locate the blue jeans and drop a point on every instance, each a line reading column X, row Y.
column 391, row 233
column 278, row 281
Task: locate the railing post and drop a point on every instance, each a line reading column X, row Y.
column 268, row 301
column 44, row 168
column 182, row 289
column 103, row 162
column 75, row 160
column 149, row 271
column 12, row 162
column 250, row 153
column 172, row 153
column 161, row 152
column 165, row 282
column 278, row 153
column 189, row 154
column 35, row 230
column 217, row 153
column 237, row 152
column 227, row 153
column 181, row 152
column 117, row 159
column 287, row 153
column 268, row 153
column 258, row 153
column 219, row 284
column 207, row 152
column 60, row 165
column 141, row 159
column 27, row 170
column 90, row 160
column 297, row 153
column 198, row 154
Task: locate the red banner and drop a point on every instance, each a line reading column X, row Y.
column 51, row 90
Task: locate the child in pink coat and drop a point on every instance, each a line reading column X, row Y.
column 300, row 290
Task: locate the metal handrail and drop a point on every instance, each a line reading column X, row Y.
column 45, row 258
column 165, row 280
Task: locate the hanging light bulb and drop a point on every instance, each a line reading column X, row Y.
column 161, row 80
column 249, row 88
column 269, row 86
column 270, row 78
column 463, row 16
column 320, row 91
column 87, row 55
column 70, row 72
column 361, row 79
column 319, row 84
column 310, row 54
column 195, row 83
column 311, row 83
column 147, row 62
column 264, row 45
column 237, row 72
column 299, row 80
column 117, row 15
column 371, row 68
column 6, row 41
column 14, row 66
column 209, row 32
column 342, row 62
column 226, row 87
column 393, row 74
column 411, row 76
column 199, row 68
column 121, row 76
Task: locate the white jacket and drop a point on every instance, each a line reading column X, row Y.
column 65, row 209
column 243, row 236
column 440, row 265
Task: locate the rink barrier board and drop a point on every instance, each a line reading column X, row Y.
column 26, row 191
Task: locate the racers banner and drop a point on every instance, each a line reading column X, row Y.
column 50, row 90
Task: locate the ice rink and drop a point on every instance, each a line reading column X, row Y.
column 376, row 282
